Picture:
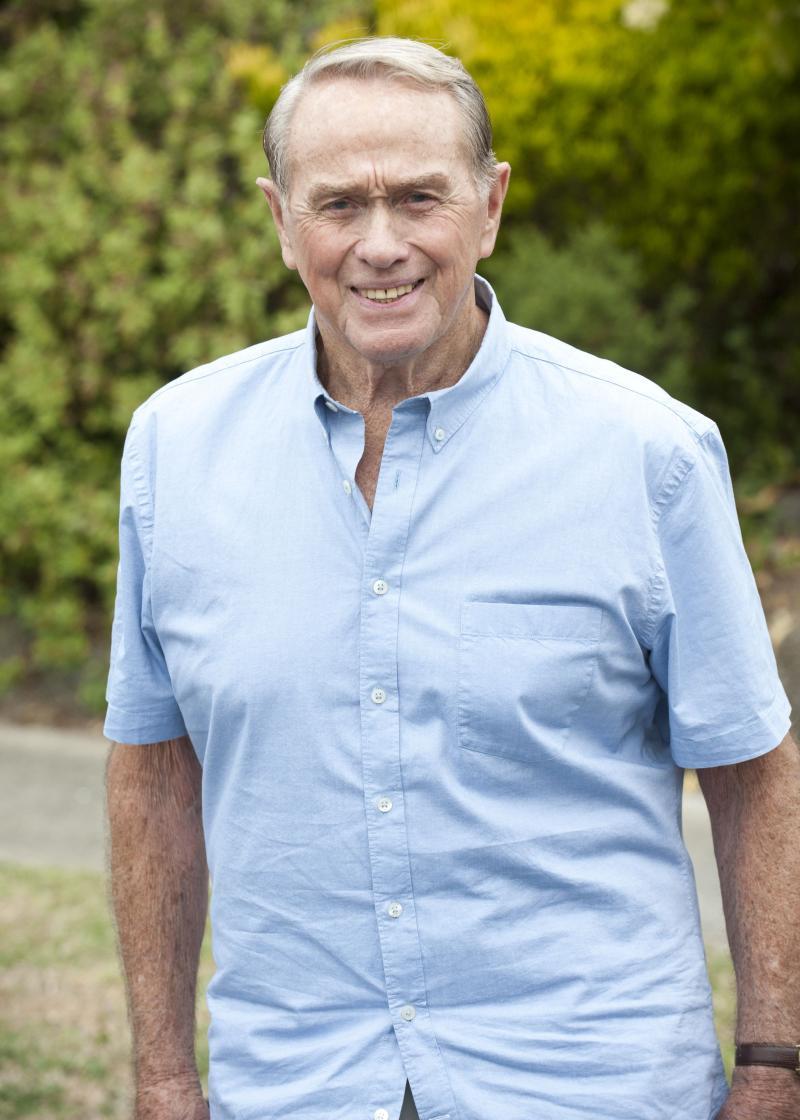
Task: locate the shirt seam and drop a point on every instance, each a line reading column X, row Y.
column 142, row 494
column 675, row 476
column 616, row 385
column 434, row 1033
column 186, row 379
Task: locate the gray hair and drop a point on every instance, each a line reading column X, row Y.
column 394, row 59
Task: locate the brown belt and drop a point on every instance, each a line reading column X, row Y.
column 762, row 1054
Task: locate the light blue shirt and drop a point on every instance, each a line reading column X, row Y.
column 442, row 743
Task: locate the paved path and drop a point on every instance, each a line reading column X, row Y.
column 51, row 810
column 51, row 797
column 697, row 834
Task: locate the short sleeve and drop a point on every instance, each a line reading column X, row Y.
column 711, row 651
column 141, row 704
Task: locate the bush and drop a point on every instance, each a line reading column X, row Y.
column 588, row 292
column 136, row 246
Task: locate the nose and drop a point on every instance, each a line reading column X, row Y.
column 381, row 244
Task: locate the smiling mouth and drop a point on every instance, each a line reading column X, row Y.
column 388, row 295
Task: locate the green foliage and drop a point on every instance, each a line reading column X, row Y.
column 651, row 218
column 677, row 125
column 588, row 293
column 136, row 245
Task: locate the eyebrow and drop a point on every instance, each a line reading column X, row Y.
column 434, row 181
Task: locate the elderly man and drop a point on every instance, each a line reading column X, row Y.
column 420, row 616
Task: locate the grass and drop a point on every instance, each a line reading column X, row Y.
column 64, row 1038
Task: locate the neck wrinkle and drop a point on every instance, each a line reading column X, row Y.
column 375, row 389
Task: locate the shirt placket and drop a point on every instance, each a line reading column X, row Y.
column 395, row 910
column 346, row 440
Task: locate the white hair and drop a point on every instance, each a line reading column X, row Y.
column 395, row 59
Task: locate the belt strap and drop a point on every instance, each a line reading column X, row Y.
column 764, row 1054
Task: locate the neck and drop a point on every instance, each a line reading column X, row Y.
column 376, row 387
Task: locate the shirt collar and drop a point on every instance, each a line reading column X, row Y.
column 449, row 407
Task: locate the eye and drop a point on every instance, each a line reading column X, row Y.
column 339, row 205
column 417, row 198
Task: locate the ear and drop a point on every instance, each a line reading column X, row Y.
column 494, row 208
column 272, row 195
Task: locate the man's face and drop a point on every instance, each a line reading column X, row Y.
column 383, row 219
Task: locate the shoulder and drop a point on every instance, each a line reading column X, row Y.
column 220, row 381
column 611, row 402
column 607, row 385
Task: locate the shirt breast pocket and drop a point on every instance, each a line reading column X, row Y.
column 524, row 671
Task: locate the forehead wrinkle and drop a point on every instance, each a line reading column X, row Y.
column 374, row 120
column 437, row 180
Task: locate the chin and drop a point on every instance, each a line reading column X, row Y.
column 385, row 351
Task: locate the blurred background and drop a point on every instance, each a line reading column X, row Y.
column 652, row 218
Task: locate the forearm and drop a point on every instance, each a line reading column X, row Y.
column 755, row 816
column 159, row 888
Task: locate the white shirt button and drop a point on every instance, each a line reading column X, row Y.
column 384, row 804
column 378, row 695
column 380, row 587
column 394, row 909
column 439, row 433
column 346, row 485
column 407, row 1012
column 380, row 1114
column 331, row 405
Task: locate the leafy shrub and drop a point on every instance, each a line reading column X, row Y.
column 136, row 246
column 588, row 292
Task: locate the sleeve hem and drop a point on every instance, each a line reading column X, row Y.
column 759, row 736
column 126, row 727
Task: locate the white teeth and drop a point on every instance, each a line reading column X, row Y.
column 386, row 293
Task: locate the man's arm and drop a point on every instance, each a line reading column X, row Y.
column 754, row 808
column 159, row 889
